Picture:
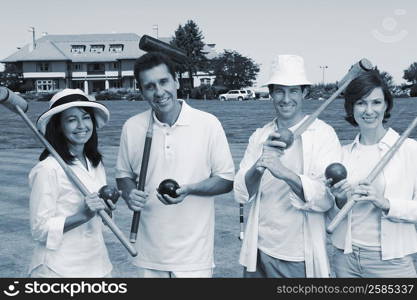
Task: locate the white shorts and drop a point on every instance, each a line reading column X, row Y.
column 43, row 271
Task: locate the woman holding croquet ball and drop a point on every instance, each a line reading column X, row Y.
column 379, row 233
column 64, row 224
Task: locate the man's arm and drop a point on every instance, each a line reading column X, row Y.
column 134, row 198
column 212, row 186
column 253, row 179
column 125, row 184
column 273, row 163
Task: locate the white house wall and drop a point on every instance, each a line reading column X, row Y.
column 44, row 75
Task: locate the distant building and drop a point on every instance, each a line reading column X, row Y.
column 91, row 62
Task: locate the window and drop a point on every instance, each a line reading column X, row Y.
column 115, row 84
column 45, row 85
column 78, row 84
column 95, row 69
column 205, row 81
column 96, row 48
column 77, row 49
column 116, row 48
column 42, row 67
column 76, row 67
column 115, row 65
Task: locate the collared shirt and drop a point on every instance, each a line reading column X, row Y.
column 398, row 230
column 176, row 237
column 321, row 147
column 79, row 252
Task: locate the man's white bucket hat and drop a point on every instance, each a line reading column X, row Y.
column 288, row 70
column 68, row 98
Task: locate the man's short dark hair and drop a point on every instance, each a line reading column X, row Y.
column 151, row 60
column 361, row 87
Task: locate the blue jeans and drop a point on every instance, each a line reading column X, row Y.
column 362, row 263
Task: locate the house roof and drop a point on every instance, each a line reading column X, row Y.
column 58, row 47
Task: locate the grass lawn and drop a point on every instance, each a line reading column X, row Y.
column 19, row 151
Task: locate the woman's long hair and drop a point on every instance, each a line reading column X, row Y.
column 56, row 138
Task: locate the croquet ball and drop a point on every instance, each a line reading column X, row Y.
column 168, row 187
column 286, row 136
column 107, row 193
column 336, row 171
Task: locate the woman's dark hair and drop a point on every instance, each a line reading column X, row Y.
column 361, row 87
column 56, row 138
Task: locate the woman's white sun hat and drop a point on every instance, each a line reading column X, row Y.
column 68, row 98
column 288, row 70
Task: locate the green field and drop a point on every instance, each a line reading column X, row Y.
column 19, row 151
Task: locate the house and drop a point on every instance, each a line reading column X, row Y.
column 200, row 78
column 91, row 62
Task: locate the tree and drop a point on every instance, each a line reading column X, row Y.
column 190, row 39
column 388, row 79
column 234, row 70
column 11, row 77
column 410, row 74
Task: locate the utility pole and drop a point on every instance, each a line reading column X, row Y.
column 155, row 27
column 323, row 68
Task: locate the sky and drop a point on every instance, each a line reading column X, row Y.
column 328, row 33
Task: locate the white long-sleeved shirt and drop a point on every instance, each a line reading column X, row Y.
column 81, row 251
column 321, row 147
column 398, row 231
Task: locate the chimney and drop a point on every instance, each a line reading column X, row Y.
column 33, row 46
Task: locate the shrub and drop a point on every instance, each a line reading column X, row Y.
column 119, row 94
column 203, row 92
column 36, row 96
column 399, row 92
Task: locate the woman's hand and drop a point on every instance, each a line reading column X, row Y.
column 340, row 191
column 93, row 204
column 364, row 191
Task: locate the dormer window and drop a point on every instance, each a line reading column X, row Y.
column 116, row 48
column 96, row 48
column 77, row 49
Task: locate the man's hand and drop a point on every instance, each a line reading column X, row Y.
column 272, row 148
column 137, row 199
column 271, row 161
column 182, row 192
